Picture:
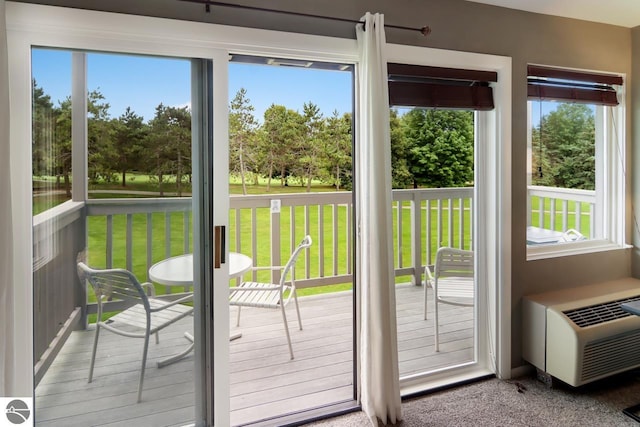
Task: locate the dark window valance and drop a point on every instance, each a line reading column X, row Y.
column 438, row 87
column 556, row 84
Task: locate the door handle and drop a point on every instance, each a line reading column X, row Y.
column 220, row 252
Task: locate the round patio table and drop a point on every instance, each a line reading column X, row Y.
column 178, row 271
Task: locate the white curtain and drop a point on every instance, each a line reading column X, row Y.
column 6, row 233
column 379, row 380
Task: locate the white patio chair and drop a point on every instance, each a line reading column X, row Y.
column 148, row 313
column 571, row 235
column 272, row 295
column 452, row 281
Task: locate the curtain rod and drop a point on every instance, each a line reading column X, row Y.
column 425, row 31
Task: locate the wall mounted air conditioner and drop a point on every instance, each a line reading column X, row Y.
column 580, row 335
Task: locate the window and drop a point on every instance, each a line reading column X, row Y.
column 576, row 162
column 436, row 116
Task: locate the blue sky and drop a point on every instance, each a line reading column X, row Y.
column 144, row 82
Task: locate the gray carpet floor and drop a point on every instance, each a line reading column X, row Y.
column 523, row 401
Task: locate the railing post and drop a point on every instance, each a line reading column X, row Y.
column 416, row 241
column 399, row 227
column 109, row 243
column 149, row 243
column 275, row 240
column 167, row 242
column 129, row 242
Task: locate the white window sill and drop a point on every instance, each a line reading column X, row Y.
column 575, row 248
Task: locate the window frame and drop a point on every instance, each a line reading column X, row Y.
column 610, row 224
column 493, row 220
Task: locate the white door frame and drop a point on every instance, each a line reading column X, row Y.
column 36, row 25
column 47, row 26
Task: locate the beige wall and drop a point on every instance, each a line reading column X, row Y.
column 472, row 27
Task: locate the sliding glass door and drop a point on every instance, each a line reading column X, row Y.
column 126, row 177
column 116, row 185
column 119, row 185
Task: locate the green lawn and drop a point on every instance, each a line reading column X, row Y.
column 585, row 224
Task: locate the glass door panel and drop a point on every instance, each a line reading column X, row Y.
column 433, row 158
column 112, row 188
column 290, row 175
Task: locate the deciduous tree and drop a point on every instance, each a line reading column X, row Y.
column 401, row 176
column 442, row 147
column 43, row 132
column 242, row 137
column 311, row 151
column 568, row 147
column 169, row 143
column 129, row 134
column 337, row 143
column 281, row 130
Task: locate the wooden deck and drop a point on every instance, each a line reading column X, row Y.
column 264, row 382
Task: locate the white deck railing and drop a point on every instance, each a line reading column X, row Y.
column 424, row 220
column 562, row 208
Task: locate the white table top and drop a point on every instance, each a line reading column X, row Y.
column 178, row 270
column 539, row 236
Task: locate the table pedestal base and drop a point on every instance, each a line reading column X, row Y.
column 169, row 360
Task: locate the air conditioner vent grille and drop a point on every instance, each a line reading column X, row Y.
column 599, row 313
column 611, row 355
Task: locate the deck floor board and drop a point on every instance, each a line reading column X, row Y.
column 264, row 381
